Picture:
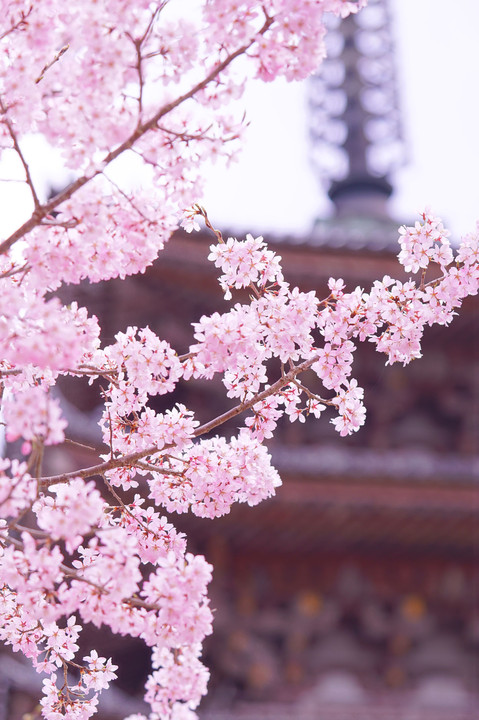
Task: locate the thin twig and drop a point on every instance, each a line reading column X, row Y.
column 67, row 224
column 15, row 271
column 69, row 441
column 55, row 60
column 311, row 395
column 128, row 199
column 143, row 465
column 202, row 213
column 20, row 154
column 18, row 25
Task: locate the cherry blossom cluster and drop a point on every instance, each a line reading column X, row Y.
column 172, row 679
column 147, row 363
column 110, row 81
column 40, row 331
column 281, row 322
column 43, row 596
column 70, row 512
column 96, row 675
column 245, row 263
column 293, row 46
column 17, row 488
column 212, row 474
column 31, row 413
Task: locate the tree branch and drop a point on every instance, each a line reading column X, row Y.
column 19, row 25
column 20, row 154
column 129, row 461
column 42, row 211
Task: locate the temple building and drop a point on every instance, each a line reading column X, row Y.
column 353, row 593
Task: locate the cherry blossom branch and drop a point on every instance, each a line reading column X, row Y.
column 158, row 469
column 18, row 25
column 138, row 42
column 11, row 273
column 20, row 154
column 123, row 507
column 41, row 211
column 69, row 441
column 75, row 575
column 52, row 62
column 67, row 224
column 311, row 395
column 68, row 572
column 10, row 180
column 99, row 469
column 186, row 137
column 33, row 531
column 36, row 458
column 187, row 356
column 131, row 459
column 244, row 406
column 128, row 199
column 199, row 210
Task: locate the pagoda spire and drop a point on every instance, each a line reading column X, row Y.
column 355, row 121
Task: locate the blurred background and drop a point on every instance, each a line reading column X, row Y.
column 353, row 594
column 436, row 58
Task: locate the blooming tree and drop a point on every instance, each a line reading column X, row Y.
column 102, row 80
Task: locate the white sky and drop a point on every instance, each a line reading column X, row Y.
column 275, row 188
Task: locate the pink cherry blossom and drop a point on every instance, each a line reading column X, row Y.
column 70, row 512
